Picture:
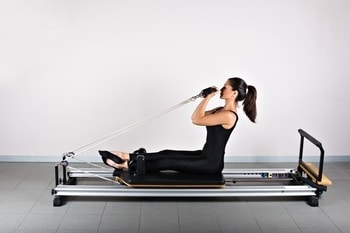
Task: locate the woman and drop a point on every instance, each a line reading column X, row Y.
column 219, row 122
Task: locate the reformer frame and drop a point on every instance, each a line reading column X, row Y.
column 304, row 181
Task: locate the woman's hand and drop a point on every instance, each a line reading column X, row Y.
column 209, row 91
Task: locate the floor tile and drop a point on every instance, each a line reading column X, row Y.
column 276, row 221
column 328, row 229
column 296, row 207
column 41, row 222
column 80, row 222
column 341, row 220
column 261, row 206
column 123, row 207
column 318, row 220
column 229, row 207
column 196, row 207
column 14, row 206
column 11, row 221
column 7, row 230
column 166, row 223
column 36, row 231
column 335, row 206
column 284, row 230
column 75, row 231
column 237, row 221
column 160, row 207
column 86, row 207
column 241, row 231
column 46, row 207
column 201, row 223
column 120, row 223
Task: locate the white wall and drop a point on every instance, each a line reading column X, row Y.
column 74, row 71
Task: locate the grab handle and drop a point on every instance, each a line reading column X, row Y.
column 314, row 141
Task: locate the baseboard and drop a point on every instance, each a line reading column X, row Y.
column 228, row 159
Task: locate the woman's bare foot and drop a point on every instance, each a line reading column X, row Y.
column 123, row 155
column 117, row 165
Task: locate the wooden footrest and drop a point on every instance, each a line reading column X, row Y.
column 325, row 181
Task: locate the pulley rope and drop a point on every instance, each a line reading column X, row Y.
column 92, row 164
column 80, row 150
column 95, row 175
column 118, row 133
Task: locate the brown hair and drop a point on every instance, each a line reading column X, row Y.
column 247, row 94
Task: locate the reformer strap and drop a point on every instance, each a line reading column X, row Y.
column 119, row 132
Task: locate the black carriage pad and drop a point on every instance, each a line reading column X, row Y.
column 172, row 179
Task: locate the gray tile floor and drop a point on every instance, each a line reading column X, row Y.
column 26, row 206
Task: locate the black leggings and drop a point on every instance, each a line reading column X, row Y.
column 182, row 161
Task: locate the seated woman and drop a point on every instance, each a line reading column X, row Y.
column 219, row 123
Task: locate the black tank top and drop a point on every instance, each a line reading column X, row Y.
column 217, row 137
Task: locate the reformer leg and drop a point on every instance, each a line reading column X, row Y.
column 313, row 201
column 57, row 201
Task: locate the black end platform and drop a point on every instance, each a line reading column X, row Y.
column 172, row 179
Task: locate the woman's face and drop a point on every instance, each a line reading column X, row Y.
column 226, row 91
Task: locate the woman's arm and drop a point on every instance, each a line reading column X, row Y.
column 205, row 118
column 200, row 110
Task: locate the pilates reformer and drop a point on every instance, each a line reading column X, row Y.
column 304, row 181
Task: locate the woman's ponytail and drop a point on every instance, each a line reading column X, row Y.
column 247, row 93
column 249, row 103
